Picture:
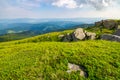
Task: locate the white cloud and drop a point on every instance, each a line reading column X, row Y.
column 98, row 4
column 65, row 3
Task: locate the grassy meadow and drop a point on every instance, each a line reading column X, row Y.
column 44, row 57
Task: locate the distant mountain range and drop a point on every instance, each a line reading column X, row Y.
column 42, row 27
column 23, row 28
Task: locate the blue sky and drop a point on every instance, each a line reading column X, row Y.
column 59, row 8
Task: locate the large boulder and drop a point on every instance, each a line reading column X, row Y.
column 110, row 37
column 78, row 34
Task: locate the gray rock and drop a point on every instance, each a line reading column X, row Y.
column 110, row 37
column 78, row 34
column 74, row 68
column 99, row 23
column 109, row 24
column 117, row 32
column 67, row 38
column 91, row 36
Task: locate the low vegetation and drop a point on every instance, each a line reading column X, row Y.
column 48, row 60
column 44, row 57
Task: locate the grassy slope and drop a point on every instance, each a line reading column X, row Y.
column 32, row 59
column 47, row 37
column 54, row 35
column 16, row 36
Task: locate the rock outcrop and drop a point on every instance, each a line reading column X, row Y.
column 109, row 24
column 110, row 37
column 78, row 34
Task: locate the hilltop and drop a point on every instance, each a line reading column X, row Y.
column 45, row 57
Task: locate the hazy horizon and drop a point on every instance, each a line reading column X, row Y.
column 40, row 20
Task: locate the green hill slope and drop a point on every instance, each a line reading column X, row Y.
column 53, row 36
column 16, row 36
column 42, row 58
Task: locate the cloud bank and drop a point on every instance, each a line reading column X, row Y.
column 59, row 8
column 98, row 4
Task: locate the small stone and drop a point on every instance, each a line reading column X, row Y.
column 75, row 68
column 91, row 36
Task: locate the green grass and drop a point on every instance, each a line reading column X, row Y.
column 51, row 37
column 48, row 60
column 25, row 36
column 16, row 36
column 44, row 57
